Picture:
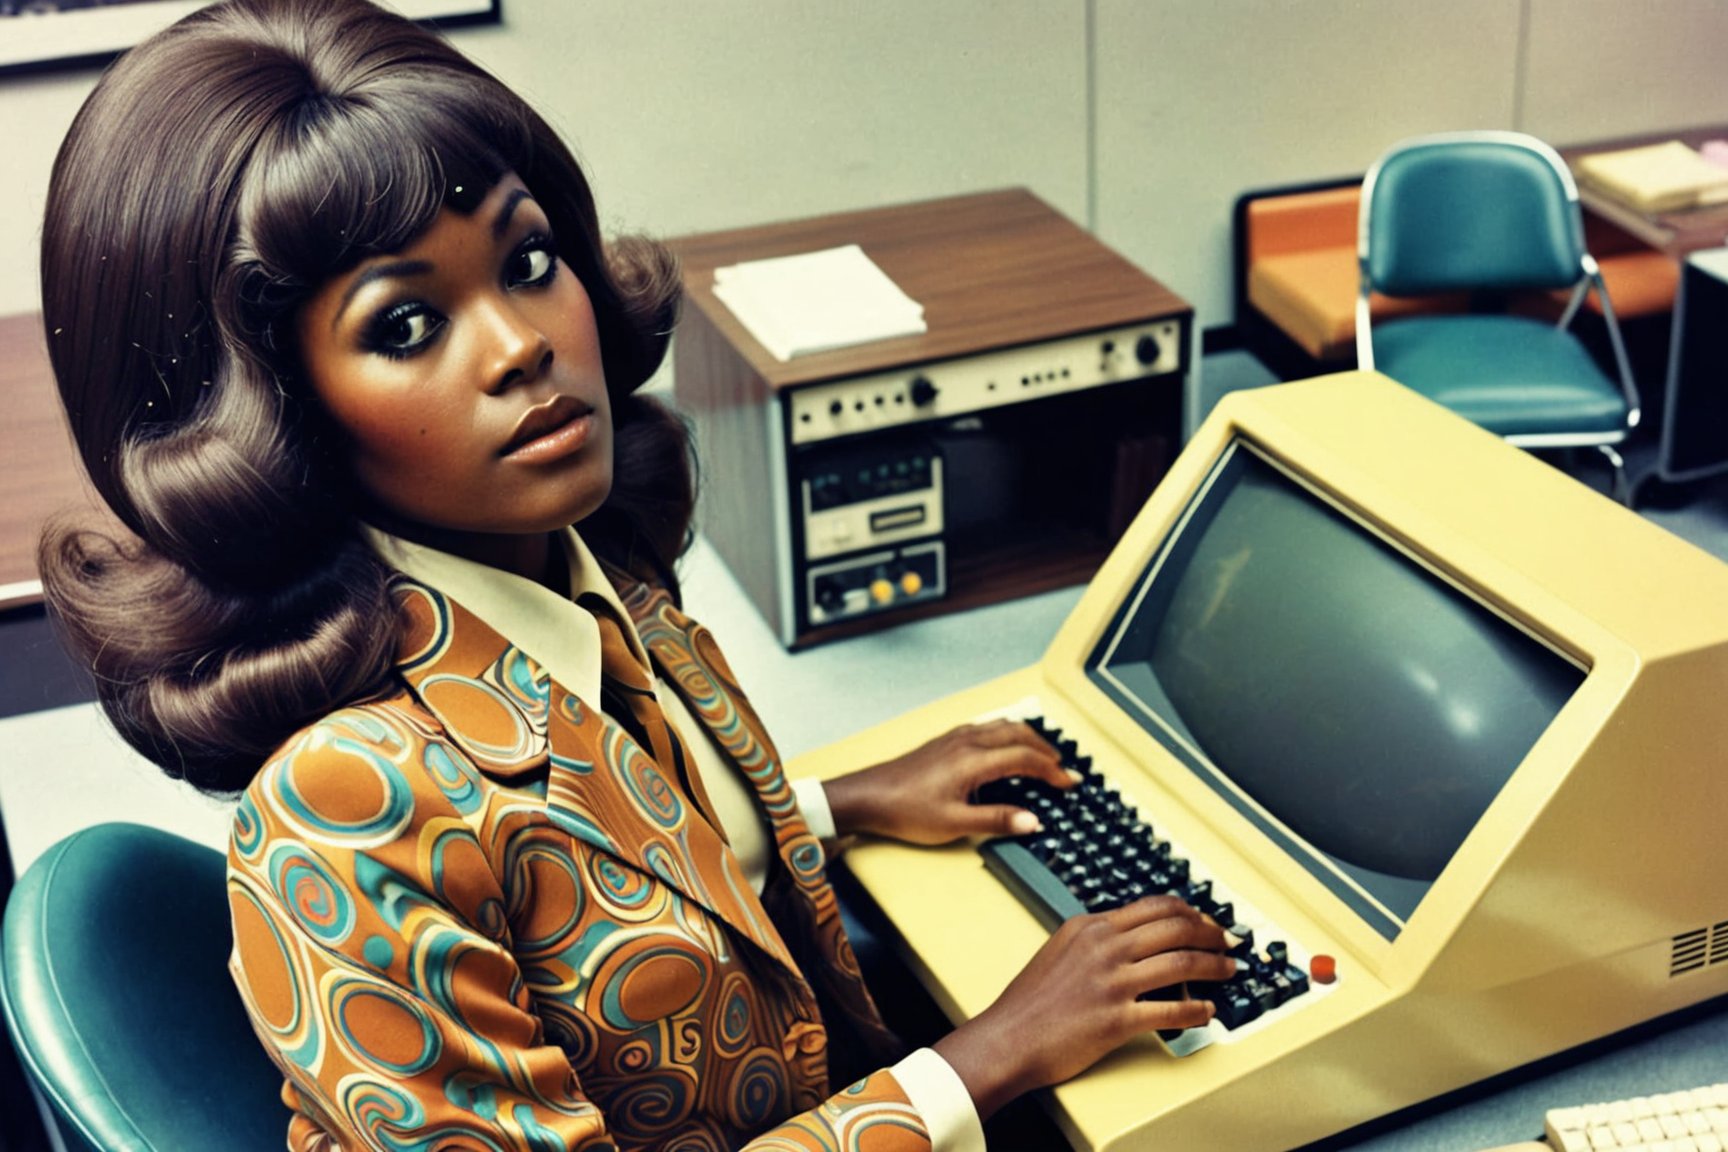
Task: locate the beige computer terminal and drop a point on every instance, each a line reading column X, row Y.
column 1422, row 708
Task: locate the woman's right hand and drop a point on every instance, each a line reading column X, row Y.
column 1077, row 999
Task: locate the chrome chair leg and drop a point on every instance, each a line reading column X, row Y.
column 1622, row 491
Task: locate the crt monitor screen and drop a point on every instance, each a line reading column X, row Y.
column 1357, row 706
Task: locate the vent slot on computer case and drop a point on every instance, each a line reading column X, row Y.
column 1698, row 949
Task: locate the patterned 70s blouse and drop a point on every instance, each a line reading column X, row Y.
column 476, row 913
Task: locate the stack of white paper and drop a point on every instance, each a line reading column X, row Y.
column 815, row 301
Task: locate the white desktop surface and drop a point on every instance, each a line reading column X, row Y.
column 65, row 769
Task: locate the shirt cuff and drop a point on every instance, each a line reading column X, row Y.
column 813, row 804
column 935, row 1090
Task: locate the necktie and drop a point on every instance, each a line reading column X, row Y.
column 627, row 695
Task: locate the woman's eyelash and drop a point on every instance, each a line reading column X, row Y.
column 541, row 244
column 401, row 330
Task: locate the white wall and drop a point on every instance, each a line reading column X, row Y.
column 1199, row 101
column 1143, row 119
column 701, row 116
column 1598, row 69
column 35, row 112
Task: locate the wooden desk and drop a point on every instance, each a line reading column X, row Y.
column 39, row 469
column 992, row 269
column 1006, row 281
column 1675, row 233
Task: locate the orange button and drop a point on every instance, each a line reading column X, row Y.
column 911, row 583
column 881, row 590
column 1324, row 969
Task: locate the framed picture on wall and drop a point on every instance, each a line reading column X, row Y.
column 38, row 35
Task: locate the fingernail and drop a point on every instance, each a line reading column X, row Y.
column 1074, row 776
column 1024, row 824
column 1241, row 965
column 1231, row 940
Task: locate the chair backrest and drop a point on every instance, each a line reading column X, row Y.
column 114, row 982
column 1470, row 210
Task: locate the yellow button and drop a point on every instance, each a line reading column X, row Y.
column 911, row 583
column 881, row 591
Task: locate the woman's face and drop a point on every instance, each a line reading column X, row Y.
column 465, row 374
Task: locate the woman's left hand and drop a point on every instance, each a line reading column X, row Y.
column 924, row 797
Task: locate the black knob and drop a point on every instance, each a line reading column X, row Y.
column 835, row 408
column 828, row 597
column 1146, row 350
column 922, row 391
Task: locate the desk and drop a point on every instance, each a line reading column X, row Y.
column 1690, row 447
column 1032, row 418
column 1694, row 439
column 808, row 700
column 1686, row 1050
column 1675, row 233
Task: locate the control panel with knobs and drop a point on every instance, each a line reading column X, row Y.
column 876, row 582
column 970, row 384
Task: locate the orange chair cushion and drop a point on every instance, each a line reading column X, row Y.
column 1639, row 284
column 1311, row 296
column 1302, row 221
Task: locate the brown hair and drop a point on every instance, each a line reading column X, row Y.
column 219, row 173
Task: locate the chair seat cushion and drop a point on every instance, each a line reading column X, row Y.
column 1510, row 374
column 1311, row 296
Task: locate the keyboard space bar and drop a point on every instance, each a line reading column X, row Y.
column 1024, row 874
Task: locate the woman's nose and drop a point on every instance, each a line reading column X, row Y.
column 519, row 350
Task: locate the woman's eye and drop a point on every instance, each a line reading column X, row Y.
column 534, row 263
column 403, row 330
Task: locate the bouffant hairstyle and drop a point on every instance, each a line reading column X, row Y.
column 217, row 176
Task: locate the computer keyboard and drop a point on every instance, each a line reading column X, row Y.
column 1095, row 852
column 1689, row 1121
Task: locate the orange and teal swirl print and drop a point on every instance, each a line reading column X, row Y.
column 476, row 915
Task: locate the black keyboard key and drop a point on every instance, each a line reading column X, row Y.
column 1264, row 995
column 1157, row 883
column 1235, row 1007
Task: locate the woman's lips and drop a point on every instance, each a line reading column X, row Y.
column 550, row 431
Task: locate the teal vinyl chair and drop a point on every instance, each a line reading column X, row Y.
column 114, row 982
column 1490, row 213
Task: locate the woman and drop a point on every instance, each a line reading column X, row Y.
column 514, row 865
